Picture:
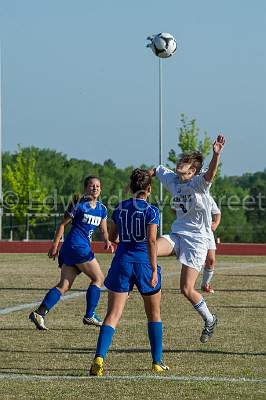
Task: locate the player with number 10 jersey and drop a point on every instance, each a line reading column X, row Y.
column 135, row 223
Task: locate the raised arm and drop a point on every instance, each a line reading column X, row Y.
column 152, row 172
column 218, row 146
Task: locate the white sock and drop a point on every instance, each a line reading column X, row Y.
column 207, row 276
column 203, row 310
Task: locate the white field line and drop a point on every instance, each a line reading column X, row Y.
column 131, row 378
column 8, row 310
column 19, row 307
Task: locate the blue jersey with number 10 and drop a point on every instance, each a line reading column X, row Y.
column 132, row 217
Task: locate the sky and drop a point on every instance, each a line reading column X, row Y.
column 77, row 77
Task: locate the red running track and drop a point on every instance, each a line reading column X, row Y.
column 232, row 249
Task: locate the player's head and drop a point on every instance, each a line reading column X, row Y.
column 140, row 182
column 188, row 165
column 92, row 186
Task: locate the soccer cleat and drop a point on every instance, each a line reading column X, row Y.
column 38, row 320
column 97, row 367
column 208, row 330
column 159, row 367
column 207, row 288
column 93, row 320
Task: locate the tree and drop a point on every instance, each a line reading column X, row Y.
column 234, row 226
column 188, row 139
column 26, row 195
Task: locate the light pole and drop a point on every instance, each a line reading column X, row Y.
column 1, row 189
column 163, row 45
column 160, row 143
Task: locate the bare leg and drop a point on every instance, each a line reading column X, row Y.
column 164, row 247
column 152, row 307
column 116, row 304
column 93, row 271
column 208, row 272
column 187, row 285
column 188, row 279
column 155, row 330
column 210, row 259
column 68, row 275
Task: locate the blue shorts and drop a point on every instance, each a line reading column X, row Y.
column 122, row 276
column 73, row 256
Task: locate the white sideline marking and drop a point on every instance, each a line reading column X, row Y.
column 132, row 378
column 8, row 310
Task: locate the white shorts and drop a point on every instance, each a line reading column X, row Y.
column 212, row 245
column 190, row 251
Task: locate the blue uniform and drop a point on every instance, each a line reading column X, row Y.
column 76, row 248
column 131, row 264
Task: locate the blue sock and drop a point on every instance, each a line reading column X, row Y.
column 104, row 340
column 92, row 296
column 155, row 331
column 51, row 298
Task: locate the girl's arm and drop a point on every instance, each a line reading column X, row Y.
column 218, row 146
column 152, row 247
column 216, row 219
column 105, row 236
column 53, row 251
column 113, row 233
column 152, row 172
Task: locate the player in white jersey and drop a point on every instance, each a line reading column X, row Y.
column 191, row 231
column 209, row 266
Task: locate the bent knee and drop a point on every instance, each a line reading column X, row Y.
column 63, row 287
column 112, row 319
column 210, row 263
column 154, row 317
column 187, row 291
column 98, row 280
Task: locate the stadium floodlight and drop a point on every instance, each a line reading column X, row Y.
column 1, row 189
column 163, row 45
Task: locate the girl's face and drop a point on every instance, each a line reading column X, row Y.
column 185, row 171
column 148, row 191
column 93, row 188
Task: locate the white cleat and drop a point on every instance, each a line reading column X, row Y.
column 93, row 320
column 38, row 320
column 208, row 330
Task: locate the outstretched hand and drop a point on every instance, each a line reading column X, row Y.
column 218, row 145
column 154, row 279
column 53, row 252
column 108, row 246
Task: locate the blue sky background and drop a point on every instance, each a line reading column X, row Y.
column 77, row 77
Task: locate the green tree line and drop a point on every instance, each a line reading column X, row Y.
column 41, row 182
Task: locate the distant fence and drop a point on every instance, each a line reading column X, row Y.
column 39, row 226
column 35, row 227
column 234, row 249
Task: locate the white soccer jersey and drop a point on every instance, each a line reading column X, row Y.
column 214, row 208
column 191, row 200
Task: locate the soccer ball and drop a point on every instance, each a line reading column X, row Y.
column 163, row 44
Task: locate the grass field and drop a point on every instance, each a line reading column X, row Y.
column 55, row 364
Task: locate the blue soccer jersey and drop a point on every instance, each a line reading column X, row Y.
column 85, row 220
column 132, row 217
column 76, row 248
